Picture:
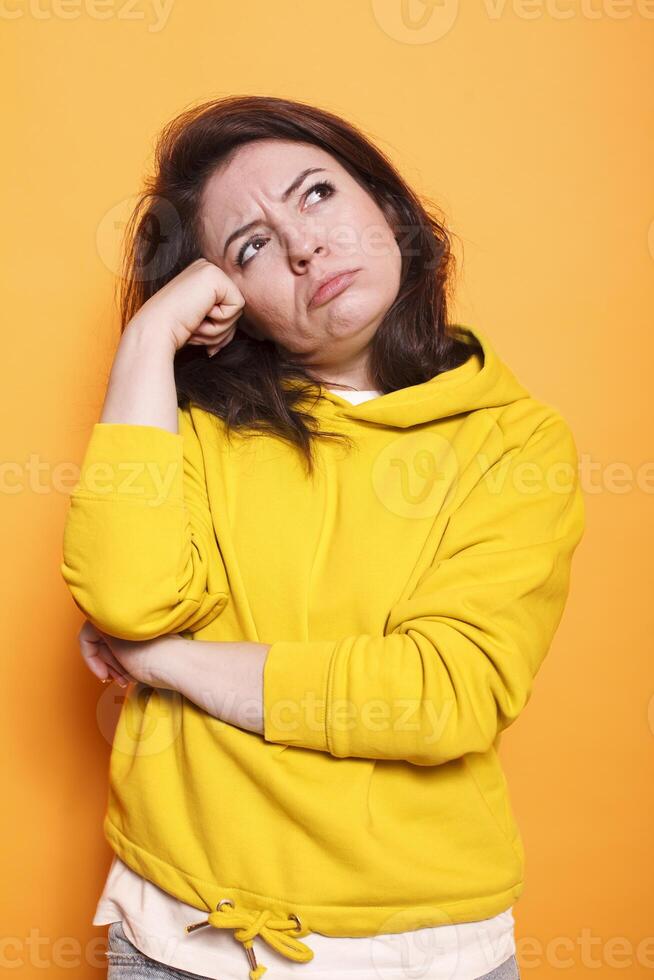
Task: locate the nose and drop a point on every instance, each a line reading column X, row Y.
column 301, row 241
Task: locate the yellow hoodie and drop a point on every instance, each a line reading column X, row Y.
column 410, row 591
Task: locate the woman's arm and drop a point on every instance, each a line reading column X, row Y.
column 141, row 389
column 200, row 305
column 140, row 555
column 457, row 661
column 224, row 679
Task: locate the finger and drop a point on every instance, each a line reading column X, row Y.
column 208, row 338
column 97, row 666
column 100, row 659
column 218, row 312
column 212, row 330
column 113, row 663
column 113, row 675
column 230, row 300
column 216, row 347
column 91, row 652
column 105, row 672
column 122, row 676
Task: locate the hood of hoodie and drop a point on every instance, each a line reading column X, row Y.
column 482, row 381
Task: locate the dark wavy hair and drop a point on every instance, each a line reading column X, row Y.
column 254, row 385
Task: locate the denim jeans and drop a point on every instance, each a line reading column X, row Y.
column 126, row 962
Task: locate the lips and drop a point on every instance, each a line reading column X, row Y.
column 331, row 286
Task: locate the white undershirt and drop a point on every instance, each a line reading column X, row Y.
column 355, row 396
column 155, row 922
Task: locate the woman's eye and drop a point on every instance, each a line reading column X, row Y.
column 240, row 257
column 321, row 185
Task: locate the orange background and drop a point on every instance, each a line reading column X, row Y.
column 534, row 133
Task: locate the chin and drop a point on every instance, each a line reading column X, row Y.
column 355, row 314
column 346, row 325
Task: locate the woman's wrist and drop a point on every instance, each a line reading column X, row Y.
column 151, row 333
column 165, row 661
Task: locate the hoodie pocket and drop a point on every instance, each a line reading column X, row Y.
column 488, row 777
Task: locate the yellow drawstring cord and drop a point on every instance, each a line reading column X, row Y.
column 274, row 930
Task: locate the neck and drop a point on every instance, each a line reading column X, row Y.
column 355, row 377
column 352, row 372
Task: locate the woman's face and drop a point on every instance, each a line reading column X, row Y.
column 294, row 242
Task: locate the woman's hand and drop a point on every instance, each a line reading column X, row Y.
column 108, row 656
column 200, row 305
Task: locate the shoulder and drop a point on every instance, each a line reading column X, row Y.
column 531, row 422
column 206, row 435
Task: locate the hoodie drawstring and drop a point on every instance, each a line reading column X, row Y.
column 246, row 925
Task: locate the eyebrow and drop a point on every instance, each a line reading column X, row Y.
column 243, row 230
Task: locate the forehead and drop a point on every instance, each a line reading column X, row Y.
column 262, row 167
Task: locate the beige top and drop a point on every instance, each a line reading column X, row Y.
column 155, row 923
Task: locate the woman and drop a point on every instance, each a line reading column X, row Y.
column 329, row 537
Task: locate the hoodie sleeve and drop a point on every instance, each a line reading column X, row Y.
column 140, row 555
column 459, row 656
